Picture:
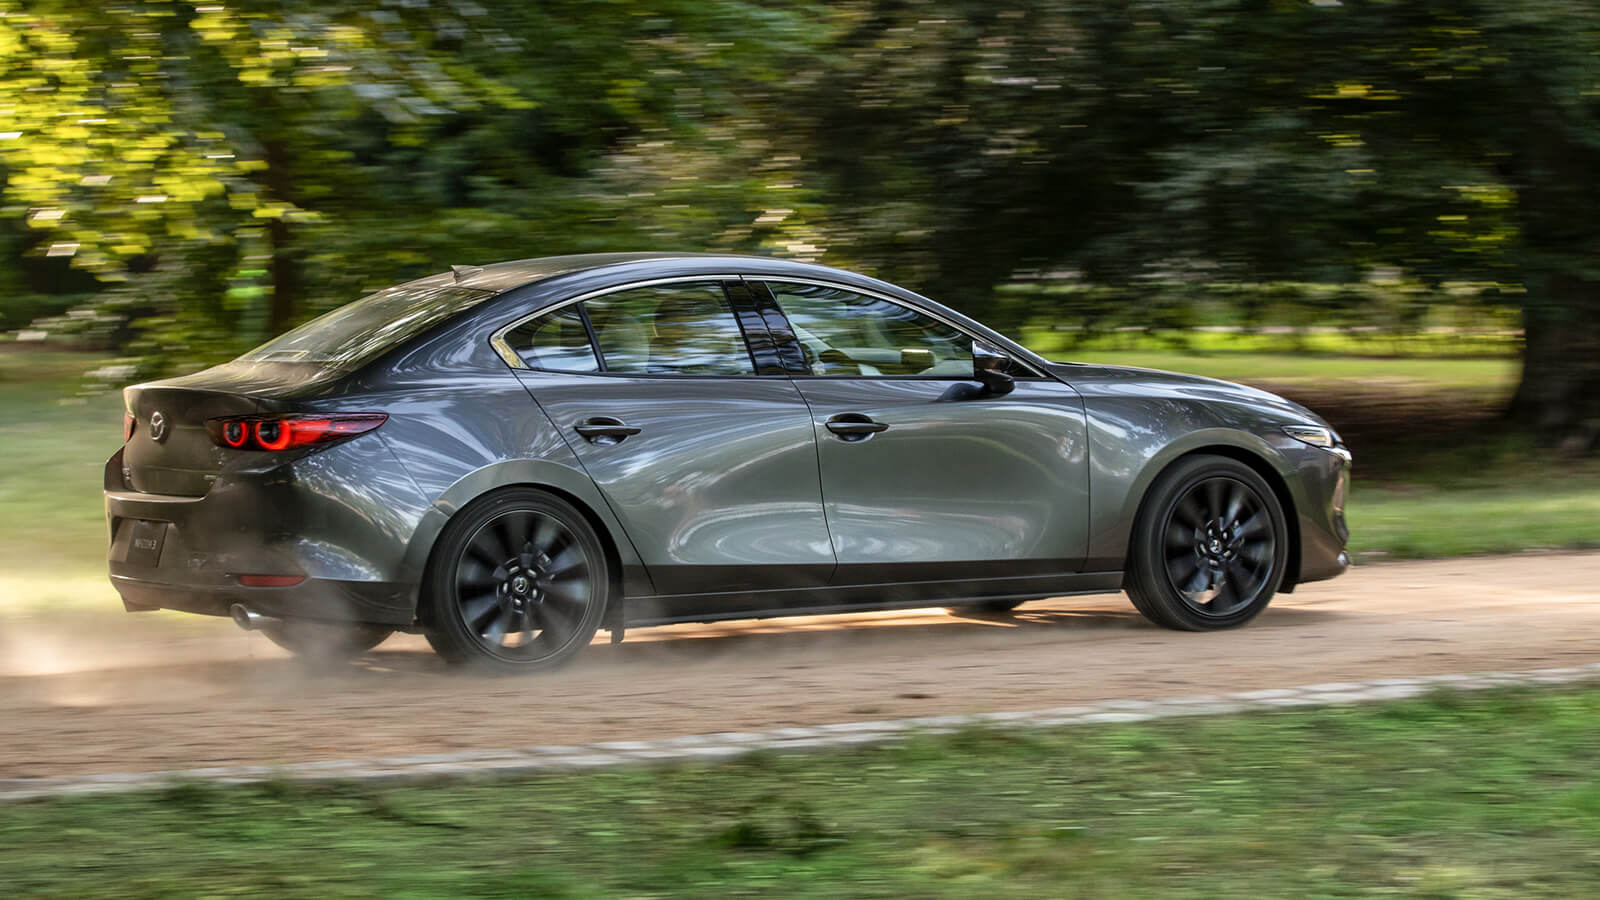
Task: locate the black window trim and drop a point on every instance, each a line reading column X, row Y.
column 788, row 337
column 497, row 340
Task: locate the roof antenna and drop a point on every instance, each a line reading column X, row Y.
column 462, row 273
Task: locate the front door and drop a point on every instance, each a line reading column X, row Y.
column 925, row 476
column 711, row 467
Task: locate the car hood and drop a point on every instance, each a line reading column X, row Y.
column 1101, row 380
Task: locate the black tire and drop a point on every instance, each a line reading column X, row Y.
column 518, row 582
column 1209, row 547
column 986, row 607
column 324, row 641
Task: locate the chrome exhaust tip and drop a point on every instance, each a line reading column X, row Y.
column 244, row 618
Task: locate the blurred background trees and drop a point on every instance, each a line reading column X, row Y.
column 188, row 178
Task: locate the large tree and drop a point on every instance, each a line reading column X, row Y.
column 1246, row 140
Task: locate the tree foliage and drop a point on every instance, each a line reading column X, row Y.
column 232, row 166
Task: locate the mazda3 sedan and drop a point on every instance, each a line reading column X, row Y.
column 508, row 458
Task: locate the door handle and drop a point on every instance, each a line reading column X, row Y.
column 854, row 426
column 597, row 429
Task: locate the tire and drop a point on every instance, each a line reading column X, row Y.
column 988, row 607
column 518, row 582
column 1209, row 548
column 324, row 641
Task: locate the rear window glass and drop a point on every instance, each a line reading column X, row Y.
column 357, row 331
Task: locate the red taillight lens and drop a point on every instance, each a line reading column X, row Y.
column 127, row 427
column 270, row 580
column 290, row 432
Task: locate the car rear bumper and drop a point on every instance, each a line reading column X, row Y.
column 342, row 536
column 331, row 601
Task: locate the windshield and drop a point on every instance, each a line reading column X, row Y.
column 360, row 330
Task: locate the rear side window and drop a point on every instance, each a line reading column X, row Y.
column 555, row 342
column 358, row 331
column 684, row 328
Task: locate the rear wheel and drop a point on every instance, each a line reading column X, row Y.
column 324, row 641
column 519, row 582
column 1209, row 548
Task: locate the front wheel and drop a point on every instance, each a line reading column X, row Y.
column 1210, row 546
column 519, row 582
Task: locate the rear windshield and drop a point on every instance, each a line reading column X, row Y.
column 355, row 332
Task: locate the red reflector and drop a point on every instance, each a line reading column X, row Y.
column 270, row 580
column 127, row 427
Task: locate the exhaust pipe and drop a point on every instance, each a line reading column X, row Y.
column 244, row 618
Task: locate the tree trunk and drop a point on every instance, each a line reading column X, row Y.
column 1558, row 397
column 285, row 267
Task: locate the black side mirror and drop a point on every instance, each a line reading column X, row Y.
column 989, row 365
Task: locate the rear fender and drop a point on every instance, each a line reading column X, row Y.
column 574, row 484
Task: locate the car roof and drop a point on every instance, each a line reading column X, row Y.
column 504, row 276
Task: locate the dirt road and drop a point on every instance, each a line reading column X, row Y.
column 160, row 691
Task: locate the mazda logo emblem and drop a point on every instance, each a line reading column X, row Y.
column 158, row 427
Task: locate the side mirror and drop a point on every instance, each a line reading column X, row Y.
column 989, row 366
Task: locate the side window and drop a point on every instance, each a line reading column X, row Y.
column 685, row 328
column 845, row 333
column 554, row 342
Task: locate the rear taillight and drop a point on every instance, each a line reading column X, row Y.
column 127, row 427
column 290, row 432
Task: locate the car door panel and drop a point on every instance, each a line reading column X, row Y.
column 961, row 483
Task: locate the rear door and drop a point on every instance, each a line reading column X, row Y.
column 924, row 475
column 703, row 447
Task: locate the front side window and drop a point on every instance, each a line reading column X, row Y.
column 683, row 328
column 845, row 333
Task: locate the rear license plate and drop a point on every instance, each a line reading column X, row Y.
column 144, row 549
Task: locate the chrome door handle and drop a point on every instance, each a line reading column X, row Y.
column 599, row 427
column 854, row 426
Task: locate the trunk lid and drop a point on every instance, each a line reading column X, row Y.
column 171, row 452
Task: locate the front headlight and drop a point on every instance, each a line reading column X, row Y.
column 1319, row 436
column 1315, row 435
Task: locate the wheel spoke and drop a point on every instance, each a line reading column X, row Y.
column 498, row 628
column 566, row 561
column 1235, row 504
column 546, row 532
column 475, row 573
column 561, row 614
column 1214, row 503
column 1189, row 512
column 475, row 610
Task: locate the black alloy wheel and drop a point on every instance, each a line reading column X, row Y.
column 1210, row 546
column 519, row 581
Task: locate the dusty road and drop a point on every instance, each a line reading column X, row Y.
column 161, row 691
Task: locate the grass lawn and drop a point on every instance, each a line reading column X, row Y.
column 1491, row 377
column 1481, row 795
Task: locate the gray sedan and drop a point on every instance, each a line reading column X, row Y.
column 509, row 458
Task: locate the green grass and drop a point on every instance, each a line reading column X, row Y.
column 1061, row 344
column 1488, row 376
column 56, row 439
column 1455, row 795
column 1424, row 523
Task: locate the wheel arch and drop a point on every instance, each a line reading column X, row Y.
column 1258, row 463
column 628, row 572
